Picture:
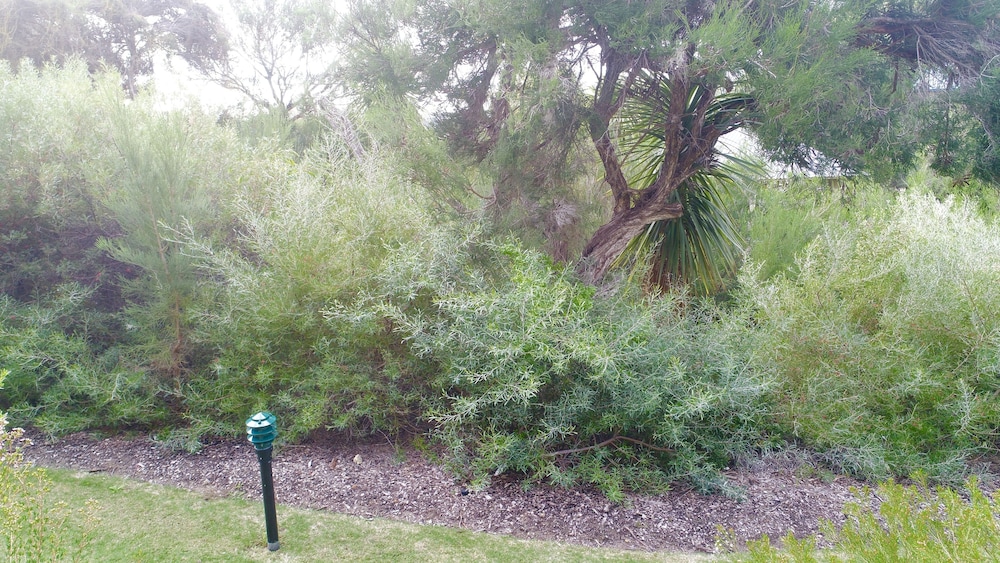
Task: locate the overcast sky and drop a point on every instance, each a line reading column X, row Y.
column 176, row 83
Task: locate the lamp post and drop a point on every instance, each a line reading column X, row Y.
column 261, row 431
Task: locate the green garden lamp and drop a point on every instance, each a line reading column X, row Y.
column 261, row 431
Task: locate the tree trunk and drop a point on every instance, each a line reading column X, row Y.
column 611, row 239
column 688, row 139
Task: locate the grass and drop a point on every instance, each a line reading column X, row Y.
column 145, row 522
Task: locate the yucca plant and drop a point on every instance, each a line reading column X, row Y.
column 702, row 246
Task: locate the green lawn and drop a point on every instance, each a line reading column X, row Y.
column 147, row 523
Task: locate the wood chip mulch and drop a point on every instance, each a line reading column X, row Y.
column 377, row 480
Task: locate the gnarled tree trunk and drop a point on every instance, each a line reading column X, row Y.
column 685, row 129
column 610, row 240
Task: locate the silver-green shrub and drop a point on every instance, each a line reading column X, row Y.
column 886, row 341
column 545, row 376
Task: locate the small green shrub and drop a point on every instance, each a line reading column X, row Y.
column 57, row 383
column 97, row 331
column 31, row 527
column 912, row 523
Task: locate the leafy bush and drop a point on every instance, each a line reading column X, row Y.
column 887, row 340
column 57, row 383
column 92, row 183
column 200, row 267
column 54, row 166
column 321, row 283
column 913, row 523
column 548, row 378
column 784, row 218
column 312, row 238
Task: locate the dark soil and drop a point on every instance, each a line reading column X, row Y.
column 378, row 480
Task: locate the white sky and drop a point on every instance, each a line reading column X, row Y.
column 177, row 84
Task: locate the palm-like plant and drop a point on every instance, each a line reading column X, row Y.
column 703, row 245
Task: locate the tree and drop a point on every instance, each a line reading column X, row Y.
column 159, row 191
column 702, row 246
column 527, row 77
column 515, row 122
column 948, row 49
column 955, row 37
column 280, row 55
column 125, row 34
column 983, row 102
column 954, row 43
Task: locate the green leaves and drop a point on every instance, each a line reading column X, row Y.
column 884, row 339
column 703, row 246
column 549, row 378
column 162, row 187
column 911, row 523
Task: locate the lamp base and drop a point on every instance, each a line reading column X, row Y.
column 273, row 546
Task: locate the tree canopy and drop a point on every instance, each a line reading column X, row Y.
column 279, row 54
column 823, row 86
column 125, row 34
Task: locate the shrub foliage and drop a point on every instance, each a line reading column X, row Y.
column 548, row 378
column 911, row 523
column 886, row 340
column 167, row 272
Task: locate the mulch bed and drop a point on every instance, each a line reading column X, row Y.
column 378, row 480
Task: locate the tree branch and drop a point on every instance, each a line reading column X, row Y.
column 608, row 442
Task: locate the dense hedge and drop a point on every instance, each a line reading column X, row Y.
column 165, row 272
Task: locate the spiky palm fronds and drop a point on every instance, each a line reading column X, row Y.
column 703, row 245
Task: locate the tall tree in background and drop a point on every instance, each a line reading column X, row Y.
column 125, row 34
column 512, row 110
column 937, row 57
column 983, row 102
column 521, row 80
column 280, row 54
